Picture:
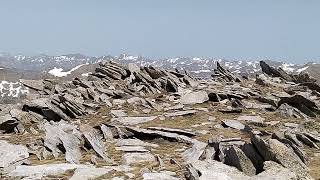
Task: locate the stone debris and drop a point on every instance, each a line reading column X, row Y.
column 125, row 121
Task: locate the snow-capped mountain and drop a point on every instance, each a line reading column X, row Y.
column 44, row 62
column 203, row 67
column 69, row 66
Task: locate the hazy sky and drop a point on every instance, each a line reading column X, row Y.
column 277, row 29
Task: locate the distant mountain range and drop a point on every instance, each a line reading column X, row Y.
column 71, row 65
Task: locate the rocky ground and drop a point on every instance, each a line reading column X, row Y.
column 130, row 122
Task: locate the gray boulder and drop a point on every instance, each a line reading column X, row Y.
column 194, row 97
column 12, row 154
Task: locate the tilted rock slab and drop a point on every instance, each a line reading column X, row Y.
column 11, row 154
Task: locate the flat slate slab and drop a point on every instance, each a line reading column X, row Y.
column 131, row 149
column 132, row 158
column 174, row 130
column 43, row 170
column 233, row 124
column 134, row 142
column 89, row 173
column 254, row 119
column 194, row 98
column 134, row 120
column 10, row 153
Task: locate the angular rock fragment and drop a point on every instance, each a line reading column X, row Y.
column 234, row 124
column 254, row 119
column 273, row 170
column 211, row 169
column 174, row 130
column 274, row 150
column 194, row 153
column 251, row 152
column 292, row 137
column 299, row 152
column 307, row 141
column 107, row 133
column 118, row 113
column 222, row 74
column 180, row 113
column 56, row 135
column 231, row 110
column 132, row 158
column 11, row 154
column 305, row 105
column 237, row 158
column 94, row 141
column 87, row 173
column 194, row 98
column 287, row 111
column 131, row 149
column 33, row 84
column 134, row 142
column 41, row 171
column 159, row 134
column 165, row 175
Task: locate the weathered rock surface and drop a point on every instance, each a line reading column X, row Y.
column 56, row 135
column 93, row 139
column 134, row 120
column 41, row 171
column 88, row 173
column 194, row 98
column 11, row 154
column 165, row 175
column 131, row 158
column 234, row 124
column 237, row 158
column 211, row 169
column 273, row 150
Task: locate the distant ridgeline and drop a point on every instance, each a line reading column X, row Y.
column 11, row 92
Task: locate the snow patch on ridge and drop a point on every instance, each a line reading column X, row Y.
column 302, row 69
column 12, row 89
column 58, row 72
column 287, row 67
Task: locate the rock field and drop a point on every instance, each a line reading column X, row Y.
column 131, row 122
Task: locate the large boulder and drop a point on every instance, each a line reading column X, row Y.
column 194, row 97
column 274, row 150
column 210, row 169
column 237, row 158
column 303, row 103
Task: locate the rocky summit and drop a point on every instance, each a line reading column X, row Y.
column 124, row 121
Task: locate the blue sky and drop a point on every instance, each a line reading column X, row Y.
column 232, row 29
